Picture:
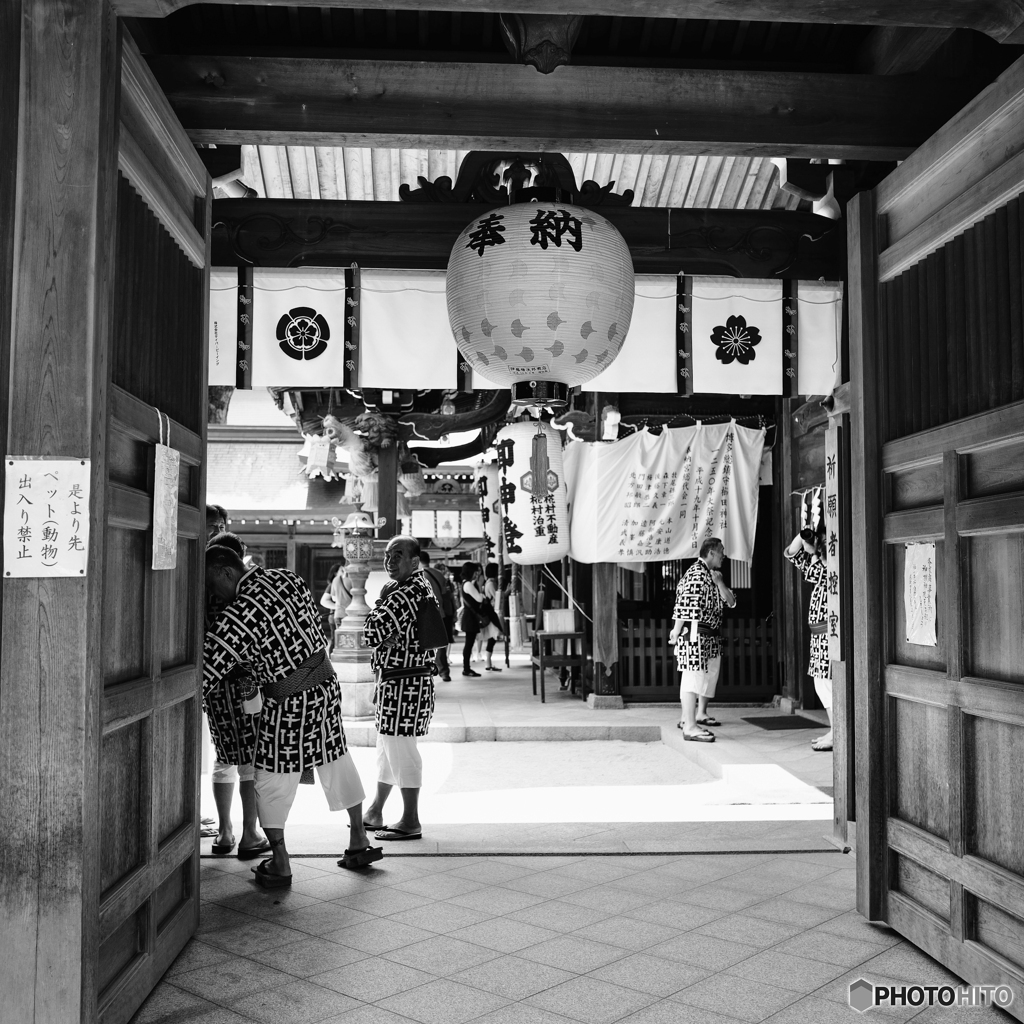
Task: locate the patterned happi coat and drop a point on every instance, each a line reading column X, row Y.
column 813, row 569
column 274, row 624
column 233, row 731
column 697, row 598
column 402, row 707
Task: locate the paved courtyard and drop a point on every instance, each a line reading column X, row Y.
column 656, row 939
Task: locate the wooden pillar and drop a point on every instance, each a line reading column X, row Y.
column 387, row 492
column 866, row 405
column 56, row 259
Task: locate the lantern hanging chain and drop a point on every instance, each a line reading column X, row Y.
column 558, row 584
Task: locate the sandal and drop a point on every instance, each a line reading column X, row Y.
column 356, row 859
column 268, row 879
column 708, row 720
column 819, row 746
column 698, row 737
column 491, row 668
column 252, row 852
column 222, row 849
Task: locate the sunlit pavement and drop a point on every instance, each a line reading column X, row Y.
column 558, row 880
column 660, row 939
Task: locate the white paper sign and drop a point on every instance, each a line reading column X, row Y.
column 919, row 594
column 165, row 507
column 46, row 517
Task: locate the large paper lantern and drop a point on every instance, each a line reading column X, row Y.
column 540, row 297
column 488, row 485
column 534, row 503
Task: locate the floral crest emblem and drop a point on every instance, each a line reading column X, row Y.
column 303, row 333
column 735, row 341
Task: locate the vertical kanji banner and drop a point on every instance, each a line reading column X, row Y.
column 649, row 498
column 833, row 541
column 736, row 336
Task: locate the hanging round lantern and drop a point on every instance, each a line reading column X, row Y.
column 488, row 485
column 540, row 296
column 533, row 496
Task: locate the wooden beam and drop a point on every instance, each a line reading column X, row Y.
column 1001, row 19
column 899, row 50
column 52, row 660
column 334, row 233
column 416, row 104
column 866, row 355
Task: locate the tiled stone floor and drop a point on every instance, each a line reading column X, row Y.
column 663, row 939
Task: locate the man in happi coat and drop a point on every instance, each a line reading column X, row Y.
column 807, row 552
column 700, row 598
column 270, row 622
column 233, row 733
column 404, row 694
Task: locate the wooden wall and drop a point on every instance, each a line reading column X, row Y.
column 159, row 307
column 953, row 328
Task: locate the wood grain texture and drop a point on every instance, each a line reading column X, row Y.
column 50, row 668
column 413, row 104
column 868, row 397
column 333, row 233
column 999, row 18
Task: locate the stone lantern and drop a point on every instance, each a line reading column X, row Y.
column 351, row 657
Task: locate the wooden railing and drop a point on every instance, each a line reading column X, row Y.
column 647, row 664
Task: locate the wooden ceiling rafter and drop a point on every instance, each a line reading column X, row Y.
column 415, row 104
column 1003, row 20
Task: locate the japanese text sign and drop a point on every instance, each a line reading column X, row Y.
column 46, row 517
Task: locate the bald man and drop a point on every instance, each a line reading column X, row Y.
column 404, row 694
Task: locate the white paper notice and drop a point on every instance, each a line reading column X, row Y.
column 46, row 517
column 167, row 463
column 919, row 594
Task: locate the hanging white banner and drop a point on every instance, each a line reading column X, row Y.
column 819, row 324
column 736, row 336
column 650, row 498
column 298, row 327
column 647, row 361
column 406, row 340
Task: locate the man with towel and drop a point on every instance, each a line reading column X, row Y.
column 404, row 694
column 270, row 622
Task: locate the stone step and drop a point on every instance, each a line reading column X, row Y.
column 361, row 733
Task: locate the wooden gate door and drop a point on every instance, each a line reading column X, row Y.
column 937, row 370
column 103, row 283
column 152, row 619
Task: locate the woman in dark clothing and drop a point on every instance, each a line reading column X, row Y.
column 472, row 612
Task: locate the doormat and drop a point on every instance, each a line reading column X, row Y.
column 773, row 723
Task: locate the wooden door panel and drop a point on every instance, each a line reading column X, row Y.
column 993, row 809
column 125, row 595
column 121, row 804
column 994, row 598
column 920, row 765
column 904, row 653
column 928, row 889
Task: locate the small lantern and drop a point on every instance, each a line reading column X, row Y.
column 533, row 493
column 355, row 535
column 540, row 296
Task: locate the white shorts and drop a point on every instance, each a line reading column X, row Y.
column 701, row 683
column 275, row 791
column 232, row 773
column 399, row 762
column 823, row 688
